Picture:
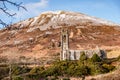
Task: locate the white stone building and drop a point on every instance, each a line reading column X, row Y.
column 68, row 54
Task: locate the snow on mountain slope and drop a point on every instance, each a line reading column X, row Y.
column 50, row 19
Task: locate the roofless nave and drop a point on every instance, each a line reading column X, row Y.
column 68, row 54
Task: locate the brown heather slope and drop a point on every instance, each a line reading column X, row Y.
column 39, row 37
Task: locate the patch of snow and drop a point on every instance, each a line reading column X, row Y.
column 63, row 15
column 21, row 26
column 52, row 12
column 13, row 32
column 17, row 42
column 32, row 29
column 31, row 38
column 53, row 40
column 48, row 32
column 34, row 21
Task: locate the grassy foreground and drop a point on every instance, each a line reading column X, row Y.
column 61, row 69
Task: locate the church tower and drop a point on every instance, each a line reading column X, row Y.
column 64, row 45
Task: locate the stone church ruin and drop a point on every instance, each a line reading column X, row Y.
column 68, row 54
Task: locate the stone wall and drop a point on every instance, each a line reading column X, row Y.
column 75, row 54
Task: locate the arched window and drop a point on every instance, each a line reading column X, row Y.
column 64, row 38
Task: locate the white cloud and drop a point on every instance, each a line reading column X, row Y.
column 41, row 4
column 33, row 9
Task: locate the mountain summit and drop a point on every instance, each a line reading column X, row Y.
column 40, row 36
column 50, row 19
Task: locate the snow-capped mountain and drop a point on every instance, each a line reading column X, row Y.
column 37, row 35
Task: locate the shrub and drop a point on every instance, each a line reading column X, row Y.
column 66, row 79
column 52, row 71
column 81, row 70
column 17, row 70
column 18, row 78
column 83, row 57
column 97, row 68
column 33, row 77
column 118, row 58
column 36, row 70
column 108, row 67
column 4, row 72
column 71, row 70
column 95, row 58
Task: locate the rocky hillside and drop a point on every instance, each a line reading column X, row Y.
column 39, row 37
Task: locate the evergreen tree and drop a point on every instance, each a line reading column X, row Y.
column 95, row 58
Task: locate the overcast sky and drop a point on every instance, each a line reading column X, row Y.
column 105, row 9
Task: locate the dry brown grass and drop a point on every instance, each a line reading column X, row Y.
column 113, row 53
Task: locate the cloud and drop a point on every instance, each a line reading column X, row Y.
column 33, row 9
column 41, row 4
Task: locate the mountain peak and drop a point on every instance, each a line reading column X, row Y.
column 56, row 19
column 54, row 12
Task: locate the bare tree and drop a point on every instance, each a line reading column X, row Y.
column 13, row 58
column 5, row 9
